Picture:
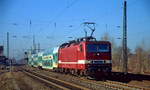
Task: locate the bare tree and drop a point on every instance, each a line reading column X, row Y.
column 106, row 37
column 139, row 57
column 116, row 55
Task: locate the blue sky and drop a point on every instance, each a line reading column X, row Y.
column 51, row 21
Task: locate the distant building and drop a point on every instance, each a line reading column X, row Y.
column 1, row 50
column 3, row 59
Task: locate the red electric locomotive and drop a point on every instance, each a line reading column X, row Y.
column 85, row 56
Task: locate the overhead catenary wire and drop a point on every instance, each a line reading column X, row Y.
column 53, row 20
column 63, row 11
column 134, row 2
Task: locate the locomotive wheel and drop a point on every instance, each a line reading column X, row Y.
column 62, row 70
column 85, row 73
column 72, row 71
column 66, row 71
column 76, row 72
column 58, row 70
column 81, row 73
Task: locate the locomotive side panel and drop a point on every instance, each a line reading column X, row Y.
column 68, row 57
column 81, row 56
column 72, row 56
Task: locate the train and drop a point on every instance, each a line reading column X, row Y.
column 84, row 56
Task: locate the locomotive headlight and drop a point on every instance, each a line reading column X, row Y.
column 98, row 54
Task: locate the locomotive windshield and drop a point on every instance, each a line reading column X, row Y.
column 98, row 48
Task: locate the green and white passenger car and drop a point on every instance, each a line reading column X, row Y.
column 46, row 60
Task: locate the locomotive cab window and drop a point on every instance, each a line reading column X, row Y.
column 98, row 48
column 81, row 48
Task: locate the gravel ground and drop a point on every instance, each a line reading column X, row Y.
column 19, row 81
column 143, row 83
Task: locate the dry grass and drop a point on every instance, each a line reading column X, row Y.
column 19, row 81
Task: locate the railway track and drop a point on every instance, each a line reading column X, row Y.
column 2, row 72
column 97, row 85
column 125, row 86
column 53, row 82
column 116, row 85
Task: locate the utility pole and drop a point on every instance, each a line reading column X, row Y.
column 38, row 47
column 34, row 46
column 8, row 52
column 106, row 27
column 124, row 43
column 8, row 45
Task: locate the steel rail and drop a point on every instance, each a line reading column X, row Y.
column 115, row 85
column 56, row 83
column 51, row 84
column 124, row 85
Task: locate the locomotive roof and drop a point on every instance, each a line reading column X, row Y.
column 77, row 41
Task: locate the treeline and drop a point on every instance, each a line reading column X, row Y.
column 138, row 59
